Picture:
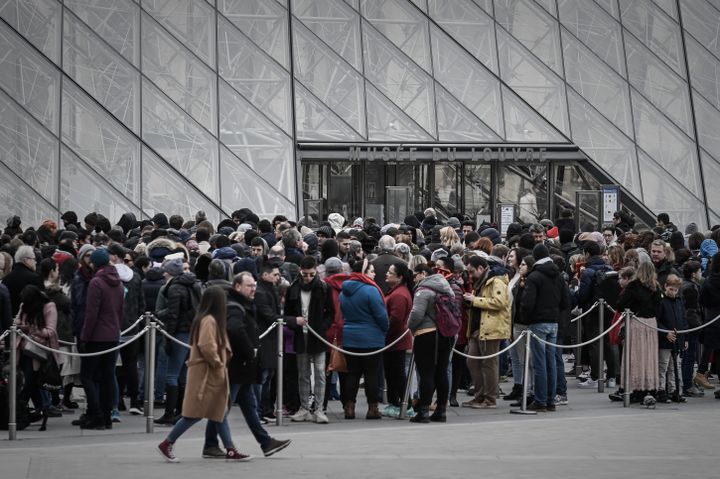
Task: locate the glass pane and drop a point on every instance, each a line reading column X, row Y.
column 316, row 122
column 116, row 21
column 457, row 123
column 179, row 74
column 610, row 6
column 28, row 150
column 36, row 20
column 28, row 78
column 669, row 7
column 711, row 172
column 704, row 71
column 523, row 124
column 597, row 82
column 16, row 198
column 525, row 186
column 666, row 144
column 465, row 78
column 549, row 5
column 403, row 25
column 658, row 83
column 192, row 23
column 102, row 72
column 663, row 193
column 701, row 20
column 469, row 25
column 421, row 4
column 388, row 122
column 714, row 218
column 446, row 197
column 533, row 27
column 604, row 143
column 533, row 81
column 243, row 188
column 707, row 121
column 335, row 23
column 164, row 191
column 264, row 21
column 569, row 180
column 182, row 143
column 96, row 137
column 329, row 77
column 478, row 182
column 596, row 29
column 656, row 30
column 259, row 143
column 255, row 74
column 82, row 189
column 407, row 85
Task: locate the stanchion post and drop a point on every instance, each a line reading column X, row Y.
column 601, row 346
column 408, row 385
column 626, row 360
column 12, row 386
column 279, row 375
column 150, row 377
column 526, row 378
column 146, row 375
column 578, row 350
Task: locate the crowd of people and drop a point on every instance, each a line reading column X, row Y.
column 376, row 291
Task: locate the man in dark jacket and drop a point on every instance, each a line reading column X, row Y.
column 545, row 295
column 309, row 300
column 22, row 274
column 663, row 267
column 385, row 259
column 100, row 332
column 243, row 368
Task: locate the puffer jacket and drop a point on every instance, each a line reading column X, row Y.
column 182, row 294
column 366, row 320
column 492, row 306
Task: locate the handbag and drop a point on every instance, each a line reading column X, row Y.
column 35, row 352
column 617, row 334
column 337, row 362
column 48, row 376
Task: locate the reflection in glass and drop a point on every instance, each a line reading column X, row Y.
column 523, row 124
column 38, row 21
column 335, row 23
column 388, row 122
column 315, row 121
column 16, row 198
column 704, row 71
column 708, row 119
column 711, row 173
column 446, row 195
column 477, row 183
column 568, row 181
column 457, row 123
column 525, row 186
column 264, row 21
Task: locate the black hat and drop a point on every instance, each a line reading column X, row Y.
column 117, row 249
column 540, row 251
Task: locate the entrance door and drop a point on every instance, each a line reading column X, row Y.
column 399, row 203
column 588, row 208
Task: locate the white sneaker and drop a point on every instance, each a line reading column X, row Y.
column 611, row 383
column 584, row 375
column 589, row 384
column 320, row 417
column 302, row 415
column 561, row 400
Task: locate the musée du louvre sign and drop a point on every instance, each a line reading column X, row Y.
column 407, row 153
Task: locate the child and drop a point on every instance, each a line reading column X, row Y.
column 672, row 317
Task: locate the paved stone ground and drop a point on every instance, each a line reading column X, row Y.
column 590, row 438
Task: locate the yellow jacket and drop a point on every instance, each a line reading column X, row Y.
column 494, row 306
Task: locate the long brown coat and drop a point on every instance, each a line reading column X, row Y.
column 208, row 388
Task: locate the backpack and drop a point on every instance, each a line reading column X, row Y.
column 448, row 316
column 606, row 285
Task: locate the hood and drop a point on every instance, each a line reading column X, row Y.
column 568, row 247
column 124, row 272
column 109, row 275
column 437, row 283
column 186, row 279
column 497, row 270
column 127, row 222
column 336, row 281
column 336, row 221
column 154, row 274
column 708, row 248
column 352, row 286
column 547, row 267
column 224, row 253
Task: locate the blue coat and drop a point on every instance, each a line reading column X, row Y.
column 366, row 320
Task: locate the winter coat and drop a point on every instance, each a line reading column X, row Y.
column 46, row 336
column 16, row 280
column 64, row 312
column 422, row 315
column 207, row 388
column 382, row 264
column 545, row 294
column 366, row 321
column 182, row 294
column 244, row 338
column 103, row 306
column 334, row 332
column 586, row 289
column 708, row 249
column 78, row 294
column 134, row 297
column 398, row 303
column 690, row 292
column 710, row 300
column 154, row 280
column 643, row 302
column 672, row 316
column 492, row 309
column 6, row 316
column 267, row 306
column 321, row 313
column 663, row 270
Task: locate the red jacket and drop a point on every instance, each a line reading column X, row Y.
column 334, row 332
column 399, row 304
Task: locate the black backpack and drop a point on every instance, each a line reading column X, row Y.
column 606, row 285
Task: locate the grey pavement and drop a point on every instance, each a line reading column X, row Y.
column 591, row 437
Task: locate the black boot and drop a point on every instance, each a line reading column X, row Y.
column 171, row 397
column 421, row 415
column 179, row 404
column 515, row 394
column 439, row 415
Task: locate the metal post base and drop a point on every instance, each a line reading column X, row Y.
column 523, row 411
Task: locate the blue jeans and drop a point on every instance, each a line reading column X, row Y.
column 517, row 357
column 186, row 423
column 160, row 370
column 689, row 358
column 245, row 395
column 543, row 358
column 561, row 387
column 263, row 392
column 177, row 355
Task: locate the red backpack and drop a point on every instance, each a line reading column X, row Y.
column 448, row 317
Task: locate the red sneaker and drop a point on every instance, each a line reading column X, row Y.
column 165, row 449
column 233, row 455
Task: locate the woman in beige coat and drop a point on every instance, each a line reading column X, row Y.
column 207, row 389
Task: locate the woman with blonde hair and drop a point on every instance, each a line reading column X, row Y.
column 448, row 237
column 642, row 296
column 6, row 264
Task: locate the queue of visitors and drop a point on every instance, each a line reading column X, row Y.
column 361, row 286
